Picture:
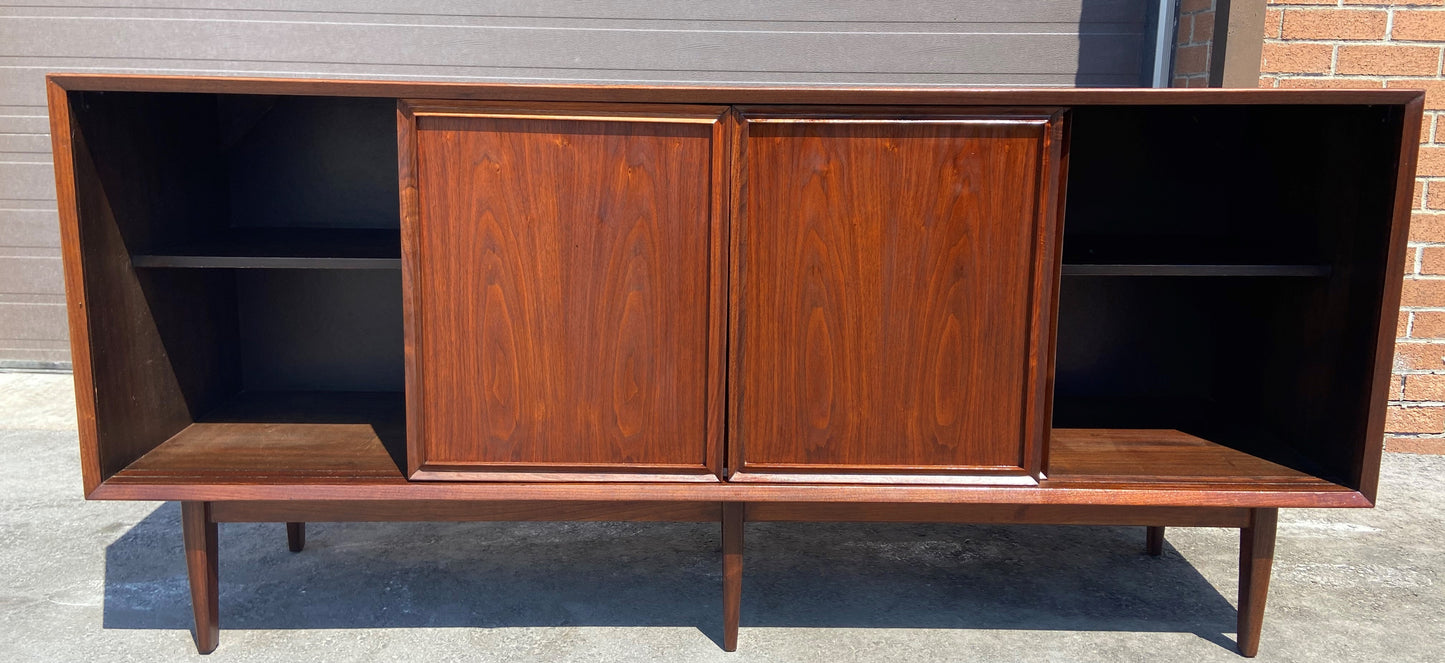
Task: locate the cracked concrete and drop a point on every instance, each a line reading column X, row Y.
column 106, row 581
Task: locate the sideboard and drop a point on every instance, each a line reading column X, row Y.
column 321, row 300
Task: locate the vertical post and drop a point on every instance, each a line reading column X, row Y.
column 1256, row 556
column 732, row 545
column 1238, row 43
column 199, row 532
column 1154, row 541
column 296, row 536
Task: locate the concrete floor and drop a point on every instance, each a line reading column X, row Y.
column 106, row 581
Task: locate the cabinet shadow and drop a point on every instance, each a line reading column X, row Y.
column 831, row 575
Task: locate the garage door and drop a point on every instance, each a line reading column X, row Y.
column 865, row 42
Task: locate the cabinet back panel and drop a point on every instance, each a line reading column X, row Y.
column 320, row 330
column 323, row 162
column 1268, row 184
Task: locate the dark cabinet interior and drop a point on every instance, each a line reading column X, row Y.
column 1223, row 276
column 1222, row 271
column 242, row 253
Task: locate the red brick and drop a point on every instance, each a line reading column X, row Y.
column 1432, row 260
column 1191, row 60
column 1419, row 356
column 1203, row 28
column 1186, row 6
column 1296, row 58
column 1334, row 24
column 1272, row 20
column 1199, row 81
column 1387, row 2
column 1303, row 2
column 1425, row 123
column 1418, row 25
column 1434, row 90
column 1425, row 388
column 1436, row 199
column 1427, row 227
column 1427, row 419
column 1268, row 81
column 1428, row 324
column 1423, row 292
column 1432, row 161
column 1330, row 82
column 1403, row 326
column 1389, row 60
column 1186, row 28
column 1410, row 259
column 1416, row 445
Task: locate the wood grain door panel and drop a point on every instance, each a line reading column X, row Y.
column 891, row 289
column 562, row 305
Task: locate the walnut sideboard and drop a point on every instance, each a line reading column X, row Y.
column 307, row 300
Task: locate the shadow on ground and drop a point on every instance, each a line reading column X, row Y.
column 379, row 575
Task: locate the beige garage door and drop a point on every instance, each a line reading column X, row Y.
column 979, row 42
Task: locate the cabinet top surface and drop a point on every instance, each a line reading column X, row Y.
column 930, row 95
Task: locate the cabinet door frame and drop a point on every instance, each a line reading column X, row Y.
column 1045, row 260
column 711, row 468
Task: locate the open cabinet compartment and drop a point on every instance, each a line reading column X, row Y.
column 1221, row 297
column 240, row 255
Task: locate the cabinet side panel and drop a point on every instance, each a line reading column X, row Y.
column 562, row 274
column 1366, row 463
column 160, row 344
column 61, row 131
column 885, row 275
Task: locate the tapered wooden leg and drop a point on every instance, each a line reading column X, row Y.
column 1154, row 541
column 296, row 536
column 1256, row 556
column 199, row 532
column 732, row 544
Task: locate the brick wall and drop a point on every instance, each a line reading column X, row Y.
column 1360, row 43
column 1193, row 44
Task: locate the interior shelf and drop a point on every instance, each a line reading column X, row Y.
column 1124, row 269
column 1080, row 457
column 284, row 437
column 283, row 248
column 1096, row 255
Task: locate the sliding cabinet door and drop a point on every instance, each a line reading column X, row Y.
column 564, row 291
column 892, row 292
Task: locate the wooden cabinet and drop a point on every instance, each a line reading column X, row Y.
column 892, row 278
column 559, row 271
column 296, row 300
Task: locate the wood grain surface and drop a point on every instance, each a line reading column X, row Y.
column 199, row 532
column 284, row 436
column 934, row 95
column 463, row 511
column 1256, row 559
column 1093, row 456
column 561, row 301
column 885, row 272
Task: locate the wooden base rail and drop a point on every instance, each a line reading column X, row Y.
column 199, row 520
